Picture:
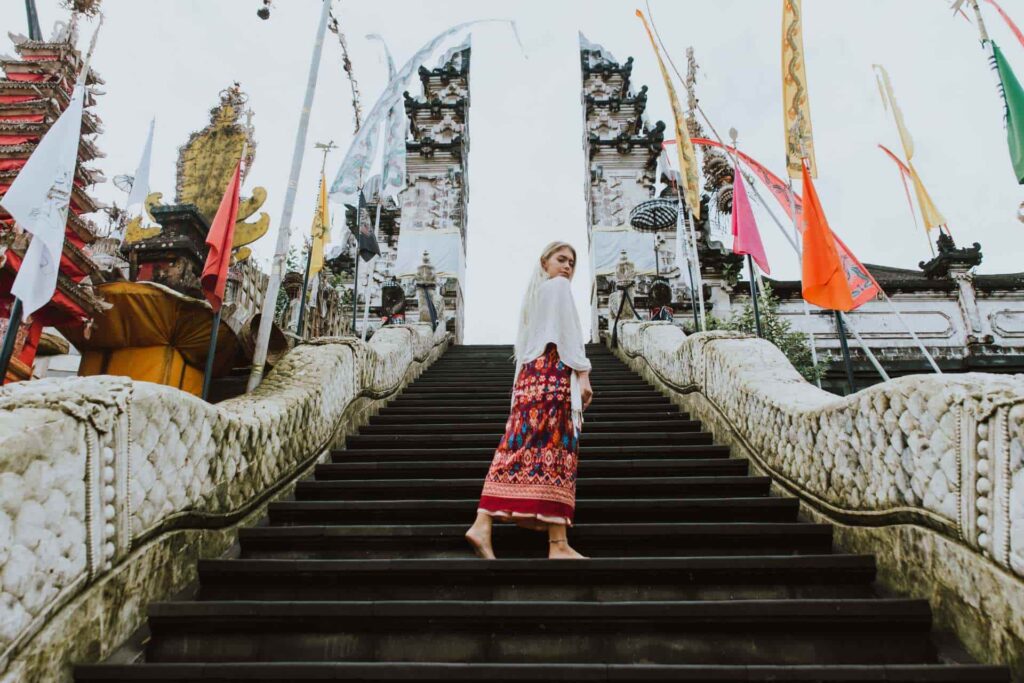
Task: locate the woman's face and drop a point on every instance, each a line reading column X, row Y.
column 562, row 262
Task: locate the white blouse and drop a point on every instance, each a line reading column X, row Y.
column 555, row 320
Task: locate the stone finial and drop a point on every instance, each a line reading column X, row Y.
column 625, row 271
column 425, row 274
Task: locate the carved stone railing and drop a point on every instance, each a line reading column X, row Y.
column 111, row 489
column 925, row 471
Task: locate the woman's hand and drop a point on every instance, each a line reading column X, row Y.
column 586, row 393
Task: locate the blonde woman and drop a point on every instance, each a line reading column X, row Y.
column 532, row 478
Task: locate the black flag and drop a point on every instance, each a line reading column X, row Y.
column 360, row 224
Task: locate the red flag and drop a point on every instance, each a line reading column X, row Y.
column 824, row 280
column 746, row 239
column 220, row 238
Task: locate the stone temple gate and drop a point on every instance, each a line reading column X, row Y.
column 743, row 524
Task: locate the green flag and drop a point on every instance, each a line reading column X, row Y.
column 1013, row 96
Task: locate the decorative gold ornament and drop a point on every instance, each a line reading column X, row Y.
column 207, row 160
column 134, row 231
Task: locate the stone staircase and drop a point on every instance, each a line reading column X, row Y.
column 698, row 574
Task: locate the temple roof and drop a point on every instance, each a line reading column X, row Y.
column 906, row 280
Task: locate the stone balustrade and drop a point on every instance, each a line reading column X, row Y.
column 925, row 471
column 110, row 489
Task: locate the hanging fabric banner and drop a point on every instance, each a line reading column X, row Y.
column 687, row 157
column 929, row 212
column 355, row 167
column 904, row 175
column 393, row 164
column 796, row 106
column 320, row 232
column 1013, row 99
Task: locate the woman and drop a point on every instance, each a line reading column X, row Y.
column 532, row 479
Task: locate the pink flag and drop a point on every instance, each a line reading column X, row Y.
column 746, row 239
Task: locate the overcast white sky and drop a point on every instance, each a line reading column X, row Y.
column 527, row 171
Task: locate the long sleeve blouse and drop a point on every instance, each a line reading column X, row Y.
column 554, row 319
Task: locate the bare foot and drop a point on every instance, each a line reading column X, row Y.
column 561, row 550
column 481, row 544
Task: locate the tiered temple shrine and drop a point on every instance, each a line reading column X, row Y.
column 35, row 90
column 435, row 202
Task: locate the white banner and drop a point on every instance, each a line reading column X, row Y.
column 38, row 200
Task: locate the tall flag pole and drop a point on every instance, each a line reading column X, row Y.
column 218, row 258
column 259, row 356
column 38, row 201
column 319, row 234
column 687, row 160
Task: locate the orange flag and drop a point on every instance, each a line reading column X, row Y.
column 824, row 280
column 220, row 238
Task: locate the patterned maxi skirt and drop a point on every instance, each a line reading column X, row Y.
column 533, row 473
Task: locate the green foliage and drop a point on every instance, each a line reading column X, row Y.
column 777, row 330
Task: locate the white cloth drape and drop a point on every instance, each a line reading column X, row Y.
column 555, row 320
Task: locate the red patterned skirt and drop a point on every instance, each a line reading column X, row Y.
column 533, row 474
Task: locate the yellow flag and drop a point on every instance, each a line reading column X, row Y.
column 930, row 213
column 796, row 106
column 684, row 146
column 320, row 231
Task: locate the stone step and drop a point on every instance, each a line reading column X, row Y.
column 596, row 409
column 487, row 453
column 599, row 580
column 485, row 393
column 611, row 488
column 890, row 631
column 353, row 540
column 593, row 420
column 491, row 439
column 394, row 672
column 488, row 384
column 478, row 468
column 497, row 425
column 461, row 404
column 595, row 510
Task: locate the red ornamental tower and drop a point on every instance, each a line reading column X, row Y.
column 35, row 89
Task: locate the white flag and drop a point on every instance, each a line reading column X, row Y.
column 140, row 185
column 38, row 200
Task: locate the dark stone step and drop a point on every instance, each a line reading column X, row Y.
column 889, row 631
column 353, row 540
column 487, row 453
column 387, row 672
column 498, row 427
column 612, row 488
column 486, row 393
column 592, row 419
column 589, row 510
column 625, row 379
column 478, row 468
column 599, row 580
column 602, row 405
column 655, row 407
column 492, row 439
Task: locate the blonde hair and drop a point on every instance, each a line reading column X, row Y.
column 533, row 289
